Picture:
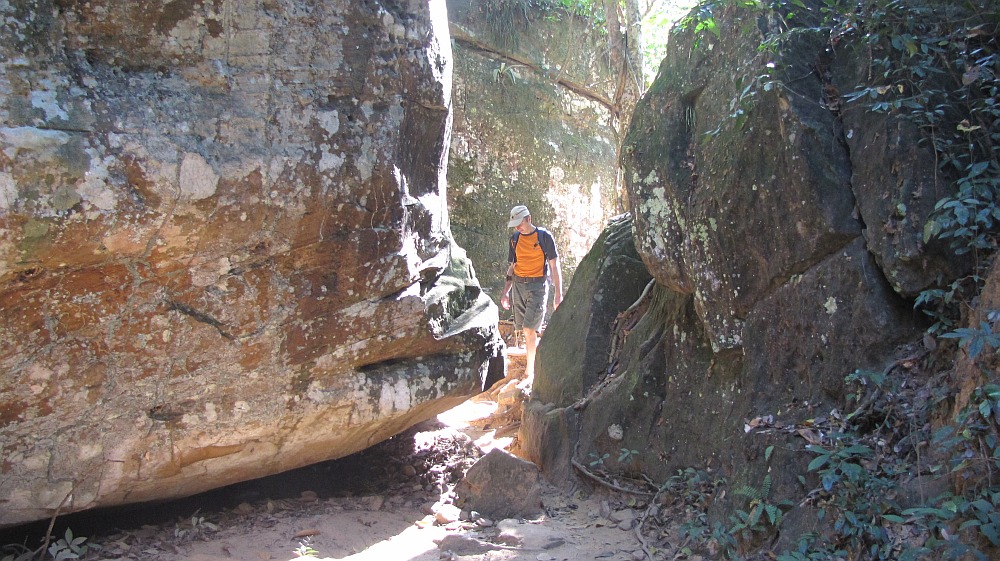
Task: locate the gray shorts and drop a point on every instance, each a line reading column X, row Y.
column 529, row 300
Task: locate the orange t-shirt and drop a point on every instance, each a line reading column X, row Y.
column 530, row 257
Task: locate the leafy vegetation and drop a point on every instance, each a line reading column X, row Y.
column 590, row 9
column 866, row 482
column 505, row 17
column 656, row 23
column 761, row 515
column 938, row 66
column 860, row 483
column 975, row 340
column 66, row 547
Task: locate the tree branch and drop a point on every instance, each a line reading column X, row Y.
column 463, row 37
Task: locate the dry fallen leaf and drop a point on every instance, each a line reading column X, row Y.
column 811, row 436
column 244, row 508
column 306, row 533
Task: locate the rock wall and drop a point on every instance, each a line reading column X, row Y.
column 784, row 237
column 224, row 243
column 522, row 138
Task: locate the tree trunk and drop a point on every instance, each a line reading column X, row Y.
column 624, row 57
column 633, row 42
column 616, row 40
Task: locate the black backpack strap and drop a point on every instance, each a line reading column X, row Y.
column 547, row 242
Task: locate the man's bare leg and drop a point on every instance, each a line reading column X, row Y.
column 530, row 342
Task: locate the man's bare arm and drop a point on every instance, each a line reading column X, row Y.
column 556, row 281
column 505, row 297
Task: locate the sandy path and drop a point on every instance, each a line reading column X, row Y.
column 405, row 523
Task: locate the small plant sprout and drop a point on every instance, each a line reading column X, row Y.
column 627, row 455
column 68, row 547
column 598, row 461
column 506, row 72
column 305, row 548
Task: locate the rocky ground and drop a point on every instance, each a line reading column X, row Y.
column 394, row 501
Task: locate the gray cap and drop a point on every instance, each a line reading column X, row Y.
column 517, row 214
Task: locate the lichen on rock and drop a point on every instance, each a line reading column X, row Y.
column 226, row 249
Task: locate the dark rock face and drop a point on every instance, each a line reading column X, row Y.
column 577, row 350
column 896, row 184
column 224, row 244
column 786, row 246
column 609, row 279
column 781, row 181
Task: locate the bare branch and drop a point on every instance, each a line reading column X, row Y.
column 463, row 37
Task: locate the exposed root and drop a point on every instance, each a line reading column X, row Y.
column 610, row 485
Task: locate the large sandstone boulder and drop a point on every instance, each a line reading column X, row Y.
column 608, row 281
column 581, row 345
column 785, row 239
column 224, row 243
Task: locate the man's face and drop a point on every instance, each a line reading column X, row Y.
column 525, row 226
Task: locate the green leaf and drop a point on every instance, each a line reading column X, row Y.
column 922, row 512
column 991, row 533
column 769, row 451
column 714, row 28
column 976, row 347
column 852, row 470
column 772, row 514
column 969, row 524
column 977, row 169
column 858, row 449
column 931, row 229
column 829, row 480
column 895, row 519
column 982, row 505
column 817, row 449
column 818, row 462
column 961, row 215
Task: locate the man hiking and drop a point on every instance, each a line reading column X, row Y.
column 532, row 256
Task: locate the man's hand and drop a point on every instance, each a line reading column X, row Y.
column 505, row 302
